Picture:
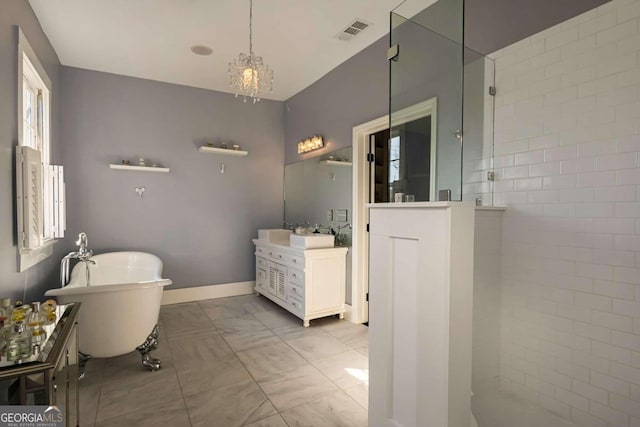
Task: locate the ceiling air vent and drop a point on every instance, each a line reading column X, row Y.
column 353, row 29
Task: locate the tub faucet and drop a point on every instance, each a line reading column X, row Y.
column 83, row 255
column 82, row 243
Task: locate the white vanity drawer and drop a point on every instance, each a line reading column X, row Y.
column 297, row 307
column 296, row 291
column 296, row 276
column 275, row 255
column 261, row 263
column 295, row 260
column 260, row 251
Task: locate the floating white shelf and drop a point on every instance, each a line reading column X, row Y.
column 335, row 163
column 225, row 151
column 139, row 168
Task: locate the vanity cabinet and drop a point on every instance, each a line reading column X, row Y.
column 310, row 283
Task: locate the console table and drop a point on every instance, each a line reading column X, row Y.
column 51, row 376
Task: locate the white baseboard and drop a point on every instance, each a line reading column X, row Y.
column 348, row 313
column 198, row 293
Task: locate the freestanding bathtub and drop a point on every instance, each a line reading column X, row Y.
column 120, row 305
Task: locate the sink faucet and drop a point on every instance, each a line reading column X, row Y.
column 288, row 226
column 83, row 255
column 342, row 227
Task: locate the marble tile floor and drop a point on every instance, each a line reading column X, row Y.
column 237, row 361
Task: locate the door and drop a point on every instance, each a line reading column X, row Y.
column 379, row 167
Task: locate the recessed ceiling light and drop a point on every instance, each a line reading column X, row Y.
column 201, row 50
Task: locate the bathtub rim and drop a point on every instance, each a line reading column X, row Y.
column 115, row 287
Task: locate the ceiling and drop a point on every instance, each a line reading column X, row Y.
column 151, row 39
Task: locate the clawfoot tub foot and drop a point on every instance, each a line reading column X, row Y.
column 82, row 364
column 150, row 344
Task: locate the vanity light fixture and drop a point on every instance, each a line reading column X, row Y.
column 309, row 144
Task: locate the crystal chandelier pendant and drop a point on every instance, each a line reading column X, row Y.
column 249, row 76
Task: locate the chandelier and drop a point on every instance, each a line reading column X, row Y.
column 249, row 76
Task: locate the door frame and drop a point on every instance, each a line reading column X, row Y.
column 358, row 311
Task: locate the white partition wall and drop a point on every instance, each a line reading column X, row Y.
column 421, row 299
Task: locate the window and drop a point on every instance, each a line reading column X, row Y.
column 394, row 162
column 40, row 186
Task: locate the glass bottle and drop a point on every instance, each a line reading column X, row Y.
column 12, row 350
column 35, row 322
column 19, row 344
column 20, row 312
column 48, row 308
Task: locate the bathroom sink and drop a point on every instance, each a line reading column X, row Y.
column 311, row 241
column 274, row 235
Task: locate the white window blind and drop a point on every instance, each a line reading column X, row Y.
column 39, row 185
column 29, row 198
column 59, row 202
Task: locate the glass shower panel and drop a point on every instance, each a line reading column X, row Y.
column 477, row 147
column 426, row 100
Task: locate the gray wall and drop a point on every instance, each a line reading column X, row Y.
column 493, row 24
column 353, row 93
column 32, row 283
column 357, row 90
column 200, row 222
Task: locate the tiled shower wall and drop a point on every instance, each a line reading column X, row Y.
column 567, row 141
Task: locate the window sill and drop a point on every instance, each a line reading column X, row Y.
column 30, row 257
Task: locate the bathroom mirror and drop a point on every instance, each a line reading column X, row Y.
column 318, row 191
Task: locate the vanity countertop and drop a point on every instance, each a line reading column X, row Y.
column 285, row 245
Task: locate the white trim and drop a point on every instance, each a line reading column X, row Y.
column 358, row 311
column 418, row 111
column 25, row 49
column 199, row 293
column 34, row 73
column 27, row 258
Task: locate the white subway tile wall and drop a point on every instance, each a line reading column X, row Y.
column 486, row 300
column 567, row 163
